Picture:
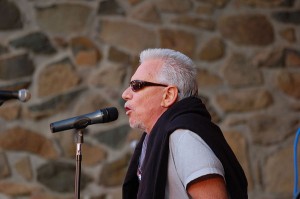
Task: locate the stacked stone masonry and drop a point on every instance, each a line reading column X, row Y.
column 78, row 56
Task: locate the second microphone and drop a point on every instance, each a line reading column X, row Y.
column 100, row 116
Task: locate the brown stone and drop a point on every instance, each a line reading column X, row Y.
column 43, row 195
column 247, row 29
column 23, row 166
column 64, row 18
column 57, row 78
column 292, row 58
column 130, row 36
column 195, row 22
column 113, row 173
column 52, row 105
column 85, row 51
column 17, row 189
column 207, row 79
column 111, row 77
column 133, row 2
column 117, row 55
column 238, row 144
column 205, row 10
column 267, row 129
column 288, row 34
column 11, row 12
column 278, row 175
column 289, row 83
column 93, row 101
column 244, row 100
column 180, row 40
column 21, row 139
column 92, row 155
column 216, row 3
column 10, row 111
column 239, row 72
column 4, row 166
column 175, row 6
column 146, row 12
column 270, row 59
column 213, row 50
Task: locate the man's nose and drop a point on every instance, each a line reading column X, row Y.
column 126, row 94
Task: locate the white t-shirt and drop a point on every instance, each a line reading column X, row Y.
column 190, row 158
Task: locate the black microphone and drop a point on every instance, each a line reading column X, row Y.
column 100, row 116
column 23, row 95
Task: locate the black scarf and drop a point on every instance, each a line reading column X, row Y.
column 189, row 113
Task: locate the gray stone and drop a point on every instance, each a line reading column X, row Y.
column 52, row 105
column 110, row 7
column 3, row 49
column 239, row 72
column 37, row 42
column 60, row 176
column 63, row 18
column 267, row 4
column 15, row 66
column 12, row 15
column 114, row 138
column 292, row 17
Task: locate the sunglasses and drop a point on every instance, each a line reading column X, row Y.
column 137, row 85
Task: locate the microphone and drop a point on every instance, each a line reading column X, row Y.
column 100, row 116
column 23, row 95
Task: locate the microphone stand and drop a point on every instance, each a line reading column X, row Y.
column 78, row 162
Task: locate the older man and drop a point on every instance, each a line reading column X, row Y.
column 182, row 154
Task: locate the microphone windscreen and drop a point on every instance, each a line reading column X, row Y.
column 24, row 95
column 112, row 114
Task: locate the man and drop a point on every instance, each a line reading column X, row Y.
column 182, row 154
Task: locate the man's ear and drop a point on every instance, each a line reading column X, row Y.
column 169, row 97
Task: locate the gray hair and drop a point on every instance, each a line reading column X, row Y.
column 178, row 70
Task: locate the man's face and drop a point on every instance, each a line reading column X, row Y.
column 143, row 107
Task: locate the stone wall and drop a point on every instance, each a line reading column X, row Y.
column 77, row 56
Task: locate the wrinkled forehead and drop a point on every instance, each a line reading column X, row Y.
column 148, row 70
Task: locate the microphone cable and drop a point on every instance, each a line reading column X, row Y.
column 296, row 192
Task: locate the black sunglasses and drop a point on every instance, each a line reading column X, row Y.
column 137, row 85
